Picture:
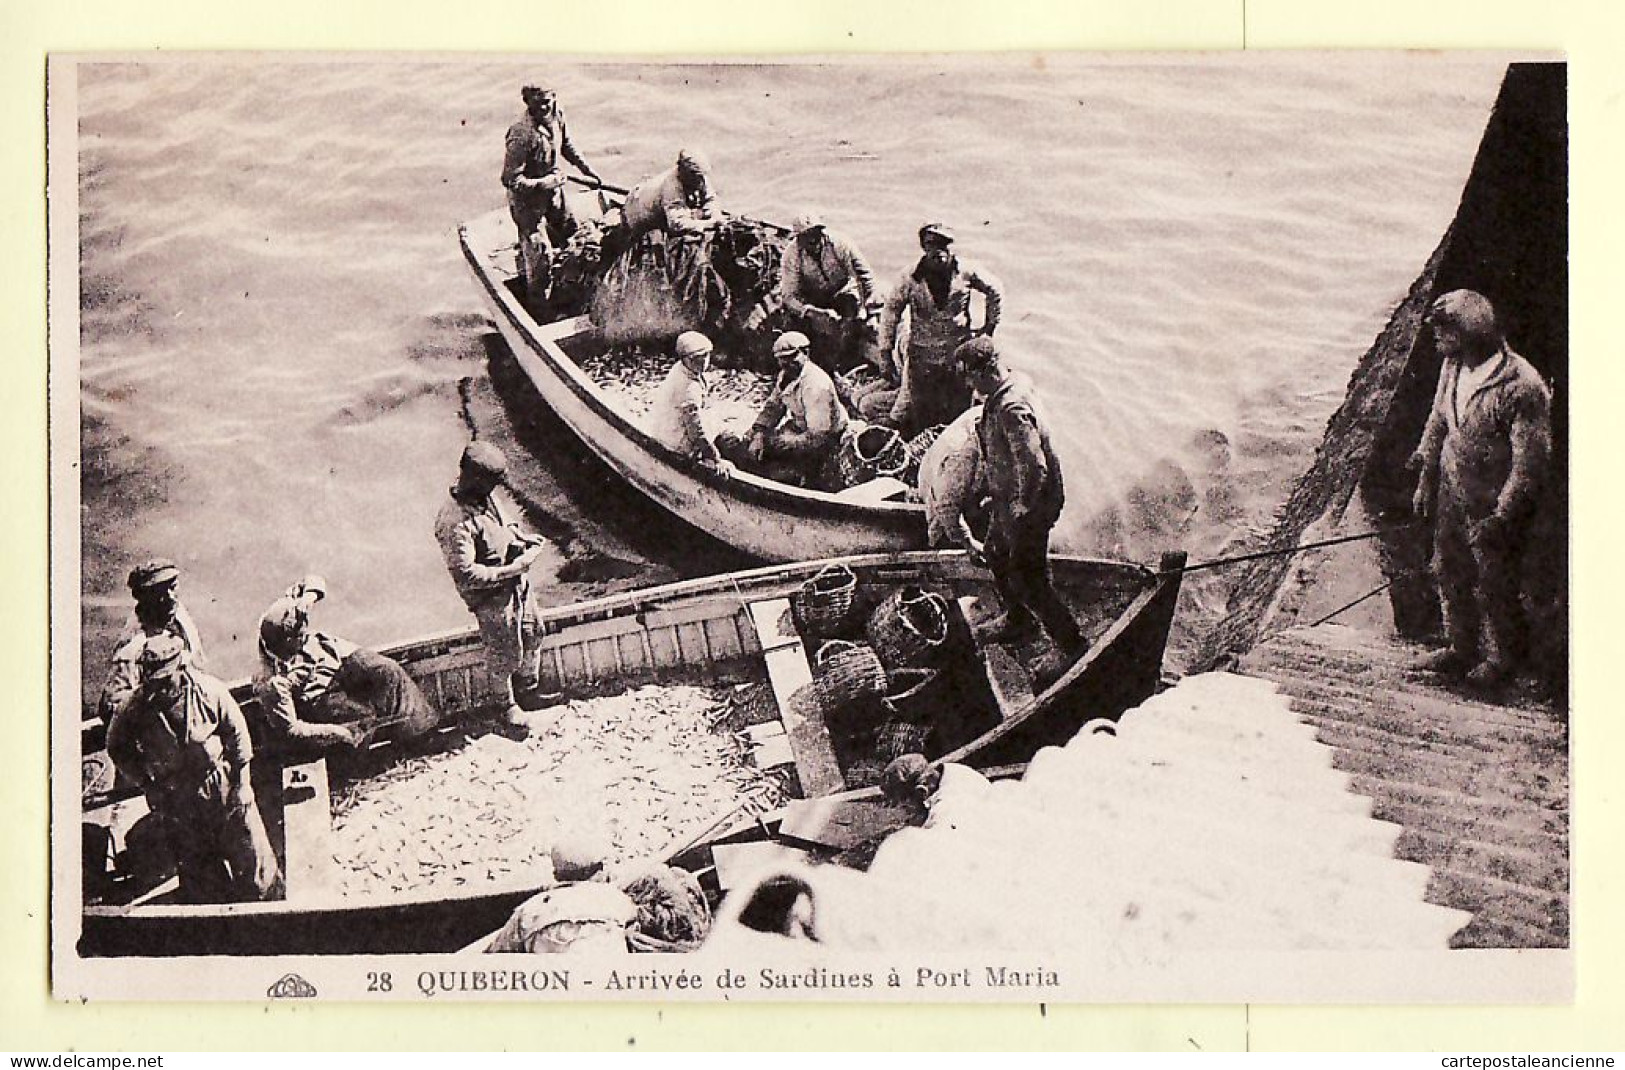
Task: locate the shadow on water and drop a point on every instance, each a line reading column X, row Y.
column 602, row 510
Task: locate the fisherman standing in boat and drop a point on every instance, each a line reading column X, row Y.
column 1026, row 493
column 535, row 185
column 936, row 294
column 316, row 689
column 488, row 558
column 182, row 739
column 827, row 290
column 675, row 414
column 1483, row 455
column 795, row 438
column 158, row 611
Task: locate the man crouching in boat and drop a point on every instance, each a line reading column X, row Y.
column 679, row 201
column 676, row 413
column 933, row 793
column 315, row 689
column 796, row 437
column 182, row 739
column 657, row 908
column 488, row 558
column 535, row 185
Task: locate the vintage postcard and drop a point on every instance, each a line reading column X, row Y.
column 1006, row 528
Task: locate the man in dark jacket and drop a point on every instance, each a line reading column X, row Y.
column 1482, row 457
column 535, row 185
column 182, row 739
column 1023, row 478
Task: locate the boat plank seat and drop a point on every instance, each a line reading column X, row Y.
column 738, row 862
column 790, row 673
column 840, row 823
column 307, row 823
column 1011, row 684
column 879, row 489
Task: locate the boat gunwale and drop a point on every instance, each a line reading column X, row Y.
column 544, row 339
column 955, row 564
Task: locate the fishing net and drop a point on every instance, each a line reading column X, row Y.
column 717, row 282
column 671, row 907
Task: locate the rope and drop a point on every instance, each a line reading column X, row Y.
column 1260, row 554
column 1341, row 609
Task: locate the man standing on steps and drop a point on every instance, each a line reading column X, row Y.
column 1023, row 478
column 488, row 558
column 1483, row 455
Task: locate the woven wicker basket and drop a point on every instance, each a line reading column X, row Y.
column 823, row 605
column 915, row 449
column 909, row 629
column 897, row 738
column 912, row 695
column 869, row 452
column 845, row 672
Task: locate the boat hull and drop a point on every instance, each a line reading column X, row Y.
column 768, row 520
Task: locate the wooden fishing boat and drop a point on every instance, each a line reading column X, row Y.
column 769, row 520
column 719, row 625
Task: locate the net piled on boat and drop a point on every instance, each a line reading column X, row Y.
column 648, row 768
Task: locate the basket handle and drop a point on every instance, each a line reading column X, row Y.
column 827, row 651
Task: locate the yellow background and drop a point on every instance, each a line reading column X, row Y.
column 1590, row 32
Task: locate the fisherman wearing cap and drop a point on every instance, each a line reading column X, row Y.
column 1484, row 452
column 535, row 185
column 488, row 558
column 158, row 611
column 679, row 201
column 795, row 438
column 182, row 739
column 316, row 689
column 1023, row 479
column 583, row 912
column 676, row 413
column 936, row 294
column 827, row 289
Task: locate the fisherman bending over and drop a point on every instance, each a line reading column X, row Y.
column 488, row 558
column 676, row 414
column 795, row 438
column 936, row 294
column 827, row 290
column 679, row 201
column 535, row 185
column 1024, row 484
column 182, row 739
column 158, row 611
column 314, row 688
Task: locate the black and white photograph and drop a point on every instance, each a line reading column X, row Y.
column 991, row 528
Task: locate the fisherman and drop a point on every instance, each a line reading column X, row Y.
column 679, row 201
column 936, row 294
column 949, row 481
column 582, row 912
column 1483, row 455
column 676, row 413
column 182, row 739
column 488, row 558
column 316, row 689
column 535, row 185
column 795, row 438
column 1025, row 489
column 827, row 292
column 158, row 611
column 934, row 793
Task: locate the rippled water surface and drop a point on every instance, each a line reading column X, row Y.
column 277, row 317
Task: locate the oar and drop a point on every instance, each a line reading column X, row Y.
column 620, row 191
